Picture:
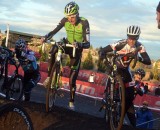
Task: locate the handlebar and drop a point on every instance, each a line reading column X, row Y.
column 60, row 45
column 131, row 55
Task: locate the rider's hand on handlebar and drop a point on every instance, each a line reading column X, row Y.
column 77, row 45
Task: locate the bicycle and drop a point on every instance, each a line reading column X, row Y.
column 114, row 94
column 4, row 53
column 14, row 116
column 55, row 82
column 12, row 87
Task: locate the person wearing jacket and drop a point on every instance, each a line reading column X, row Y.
column 144, row 117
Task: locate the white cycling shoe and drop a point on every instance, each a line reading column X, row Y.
column 71, row 106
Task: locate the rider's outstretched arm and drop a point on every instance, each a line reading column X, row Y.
column 54, row 31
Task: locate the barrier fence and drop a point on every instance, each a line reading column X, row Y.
column 93, row 90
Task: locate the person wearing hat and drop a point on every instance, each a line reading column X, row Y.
column 144, row 117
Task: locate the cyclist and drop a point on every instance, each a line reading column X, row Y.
column 30, row 67
column 137, row 79
column 136, row 87
column 158, row 15
column 78, row 34
column 123, row 47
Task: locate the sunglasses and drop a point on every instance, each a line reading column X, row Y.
column 133, row 38
column 72, row 16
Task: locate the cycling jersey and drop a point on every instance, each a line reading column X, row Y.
column 27, row 61
column 79, row 32
column 123, row 48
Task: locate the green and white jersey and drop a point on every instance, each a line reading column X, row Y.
column 79, row 32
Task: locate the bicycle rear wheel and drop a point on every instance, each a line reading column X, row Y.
column 15, row 90
column 14, row 116
column 117, row 110
column 52, row 90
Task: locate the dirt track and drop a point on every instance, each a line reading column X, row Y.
column 62, row 119
column 85, row 117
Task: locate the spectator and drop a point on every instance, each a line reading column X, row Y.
column 157, row 91
column 91, row 78
column 144, row 117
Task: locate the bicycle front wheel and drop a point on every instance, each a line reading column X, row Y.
column 117, row 111
column 51, row 90
column 14, row 117
column 15, row 90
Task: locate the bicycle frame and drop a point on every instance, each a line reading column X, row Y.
column 115, row 84
column 55, row 81
column 58, row 63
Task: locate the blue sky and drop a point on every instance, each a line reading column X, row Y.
column 108, row 19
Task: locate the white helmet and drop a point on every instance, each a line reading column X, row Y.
column 133, row 31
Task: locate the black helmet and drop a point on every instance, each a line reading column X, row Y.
column 20, row 44
column 140, row 72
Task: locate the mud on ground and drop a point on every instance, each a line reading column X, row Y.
column 61, row 118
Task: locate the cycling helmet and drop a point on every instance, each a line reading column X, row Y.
column 133, row 31
column 71, row 8
column 140, row 72
column 20, row 44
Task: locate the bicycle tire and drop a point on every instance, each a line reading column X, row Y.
column 14, row 116
column 117, row 111
column 15, row 89
column 51, row 91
